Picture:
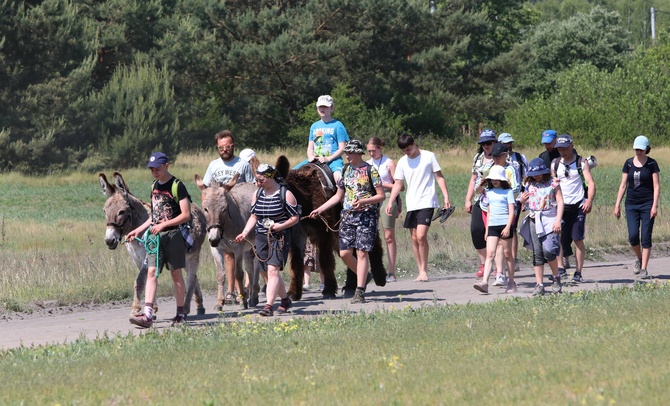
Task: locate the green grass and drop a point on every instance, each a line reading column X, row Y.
column 595, row 348
column 52, row 228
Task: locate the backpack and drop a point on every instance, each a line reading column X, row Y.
column 186, row 227
column 580, row 162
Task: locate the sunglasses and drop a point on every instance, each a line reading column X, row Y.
column 225, row 147
column 567, row 171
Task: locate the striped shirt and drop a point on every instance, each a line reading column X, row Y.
column 271, row 207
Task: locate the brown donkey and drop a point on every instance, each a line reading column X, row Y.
column 124, row 212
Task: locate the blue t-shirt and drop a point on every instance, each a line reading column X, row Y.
column 327, row 136
column 499, row 201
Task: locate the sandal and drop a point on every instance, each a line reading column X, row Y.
column 447, row 213
column 438, row 213
column 267, row 311
column 231, row 299
column 284, row 305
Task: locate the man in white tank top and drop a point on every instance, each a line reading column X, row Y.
column 573, row 173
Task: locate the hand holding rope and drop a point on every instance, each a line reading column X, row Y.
column 152, row 244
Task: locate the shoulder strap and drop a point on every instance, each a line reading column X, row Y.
column 175, row 190
column 519, row 159
column 555, row 163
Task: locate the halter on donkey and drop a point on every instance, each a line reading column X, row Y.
column 125, row 212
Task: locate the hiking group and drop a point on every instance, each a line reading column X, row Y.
column 556, row 190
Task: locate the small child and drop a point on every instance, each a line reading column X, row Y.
column 500, row 221
column 541, row 228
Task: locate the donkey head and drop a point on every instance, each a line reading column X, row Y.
column 219, row 208
column 119, row 209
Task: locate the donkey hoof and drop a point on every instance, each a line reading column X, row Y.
column 218, row 308
column 201, row 311
column 329, row 296
column 253, row 302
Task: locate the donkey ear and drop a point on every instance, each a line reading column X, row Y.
column 199, row 183
column 107, row 189
column 232, row 182
column 120, row 183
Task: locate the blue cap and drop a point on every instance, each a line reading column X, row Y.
column 157, row 159
column 505, row 138
column 548, row 136
column 564, row 141
column 641, row 142
column 486, row 136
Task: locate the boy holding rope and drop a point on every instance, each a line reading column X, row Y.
column 362, row 192
column 165, row 236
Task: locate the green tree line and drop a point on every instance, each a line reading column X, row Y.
column 92, row 83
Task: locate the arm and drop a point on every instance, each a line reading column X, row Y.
column 559, row 210
column 510, row 220
column 378, row 198
column 657, row 193
column 251, row 223
column 470, row 194
column 619, row 196
column 395, row 191
column 293, row 220
column 138, row 231
column 328, row 204
column 310, row 151
column 334, row 155
column 391, row 166
column 442, row 183
column 588, row 204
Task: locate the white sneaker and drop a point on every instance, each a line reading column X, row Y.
column 501, row 280
column 305, row 288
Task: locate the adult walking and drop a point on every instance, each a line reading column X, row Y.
column 640, row 183
column 386, row 168
column 272, row 215
column 579, row 191
column 421, row 171
column 481, row 164
column 222, row 171
column 520, row 164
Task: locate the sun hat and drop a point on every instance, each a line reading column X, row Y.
column 157, row 159
column 564, row 141
column 486, row 136
column 536, row 167
column 499, row 149
column 505, row 138
column 247, row 154
column 548, row 136
column 325, row 100
column 497, row 172
column 354, row 147
column 641, row 142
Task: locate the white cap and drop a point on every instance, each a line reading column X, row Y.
column 325, row 100
column 247, row 154
column 641, row 142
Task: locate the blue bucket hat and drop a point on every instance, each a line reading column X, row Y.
column 536, row 167
column 486, row 136
column 548, row 136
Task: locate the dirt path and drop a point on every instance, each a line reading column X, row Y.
column 59, row 325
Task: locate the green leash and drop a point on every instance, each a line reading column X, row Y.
column 152, row 244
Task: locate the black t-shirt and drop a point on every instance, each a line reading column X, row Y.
column 640, row 182
column 163, row 204
column 547, row 156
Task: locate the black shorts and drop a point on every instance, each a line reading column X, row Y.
column 496, row 231
column 416, row 217
column 172, row 252
column 274, row 253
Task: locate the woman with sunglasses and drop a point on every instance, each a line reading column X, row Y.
column 481, row 164
column 640, row 182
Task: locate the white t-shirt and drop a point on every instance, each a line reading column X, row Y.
column 222, row 172
column 419, row 173
column 382, row 166
column 572, row 186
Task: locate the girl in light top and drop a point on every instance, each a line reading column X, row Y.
column 386, row 168
column 500, row 220
column 542, row 227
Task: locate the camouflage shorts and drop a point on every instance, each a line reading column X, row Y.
column 359, row 230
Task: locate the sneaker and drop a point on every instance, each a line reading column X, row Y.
column 359, row 296
column 284, row 305
column 142, row 320
column 511, row 287
column 480, row 273
column 391, row 278
column 539, row 290
column 566, row 263
column 178, row 319
column 577, row 278
column 322, row 286
column 482, row 286
column 562, row 273
column 637, row 267
column 267, row 311
column 501, row 280
column 556, row 286
column 305, row 288
column 643, row 274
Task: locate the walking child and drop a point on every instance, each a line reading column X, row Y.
column 500, row 221
column 166, row 216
